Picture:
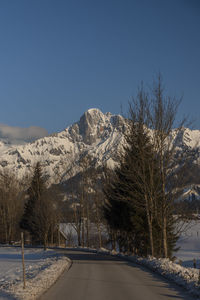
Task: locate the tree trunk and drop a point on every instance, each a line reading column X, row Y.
column 79, row 234
column 113, row 240
column 77, row 225
column 51, row 236
column 151, row 236
column 82, row 204
column 164, row 203
column 45, row 241
column 83, row 233
column 165, row 236
column 99, row 230
column 58, row 237
column 87, row 227
column 149, row 219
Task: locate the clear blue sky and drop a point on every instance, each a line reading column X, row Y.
column 60, row 57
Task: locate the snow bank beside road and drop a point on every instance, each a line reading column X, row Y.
column 42, row 270
column 185, row 277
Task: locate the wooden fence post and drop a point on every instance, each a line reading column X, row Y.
column 23, row 264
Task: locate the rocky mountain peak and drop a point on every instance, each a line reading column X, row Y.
column 89, row 124
column 94, row 125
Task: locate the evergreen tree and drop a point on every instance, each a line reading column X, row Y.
column 131, row 191
column 145, row 181
column 39, row 211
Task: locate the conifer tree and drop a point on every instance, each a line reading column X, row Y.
column 34, row 193
column 39, row 211
column 143, row 180
column 132, row 189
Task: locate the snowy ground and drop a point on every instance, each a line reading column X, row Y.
column 189, row 243
column 184, row 275
column 44, row 267
column 188, row 278
column 42, row 270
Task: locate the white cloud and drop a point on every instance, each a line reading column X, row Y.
column 19, row 135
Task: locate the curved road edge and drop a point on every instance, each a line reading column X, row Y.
column 55, row 279
column 38, row 285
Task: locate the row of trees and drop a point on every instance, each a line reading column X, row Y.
column 85, row 202
column 11, row 207
column 29, row 206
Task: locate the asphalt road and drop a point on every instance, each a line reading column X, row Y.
column 101, row 277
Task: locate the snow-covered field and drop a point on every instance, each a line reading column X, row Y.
column 189, row 243
column 42, row 270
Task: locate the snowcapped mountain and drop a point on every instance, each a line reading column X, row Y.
column 97, row 134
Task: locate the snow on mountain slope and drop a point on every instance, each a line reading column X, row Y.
column 187, row 137
column 97, row 134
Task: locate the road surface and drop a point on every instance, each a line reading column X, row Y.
column 103, row 277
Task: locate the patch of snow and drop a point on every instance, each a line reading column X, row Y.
column 185, row 277
column 189, row 243
column 42, row 270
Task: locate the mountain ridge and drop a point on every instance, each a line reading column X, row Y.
column 97, row 134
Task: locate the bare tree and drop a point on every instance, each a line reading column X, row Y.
column 77, row 220
column 85, row 164
column 147, row 177
column 162, row 115
column 11, row 206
